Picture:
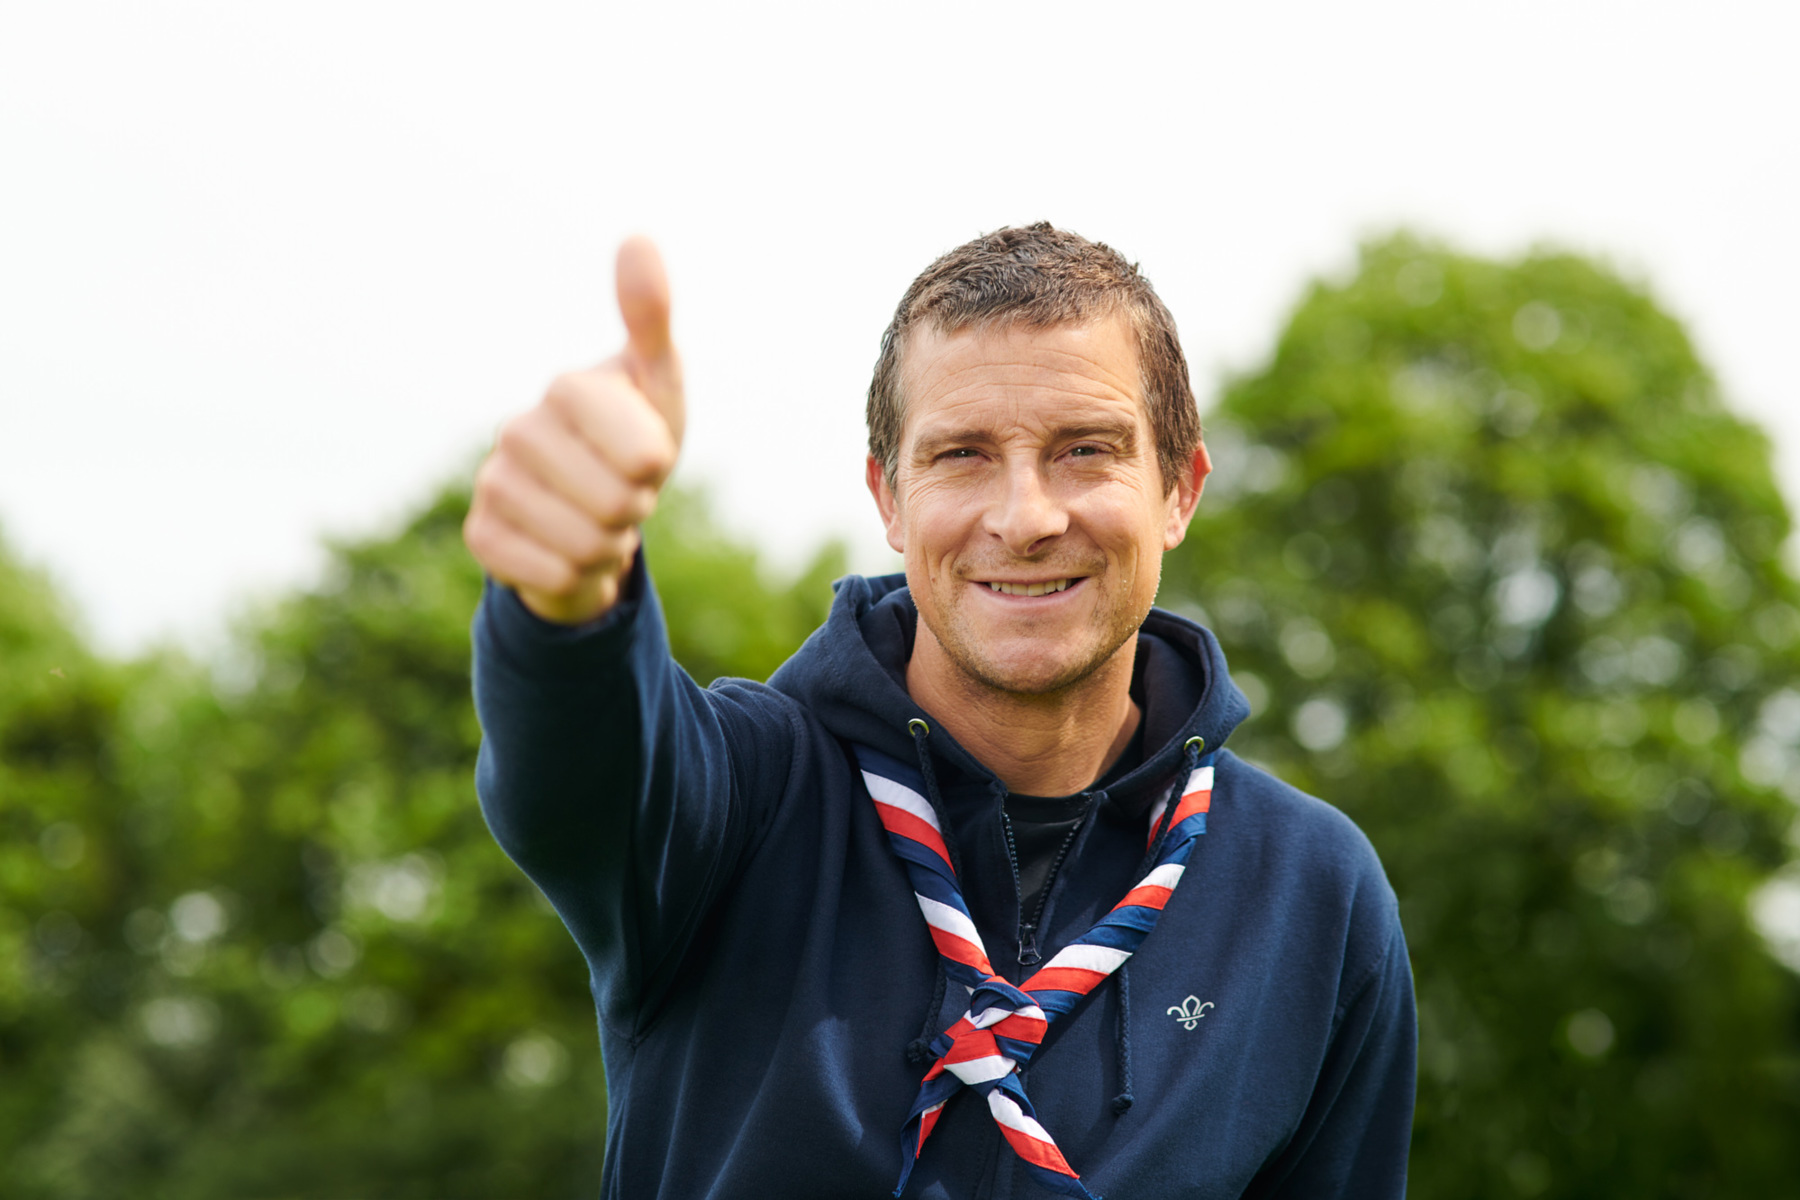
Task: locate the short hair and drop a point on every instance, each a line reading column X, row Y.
column 1039, row 277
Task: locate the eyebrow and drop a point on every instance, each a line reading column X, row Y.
column 1121, row 432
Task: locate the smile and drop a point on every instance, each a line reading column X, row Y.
column 1031, row 589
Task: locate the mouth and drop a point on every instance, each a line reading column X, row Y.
column 1040, row 588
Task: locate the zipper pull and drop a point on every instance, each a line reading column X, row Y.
column 1028, row 952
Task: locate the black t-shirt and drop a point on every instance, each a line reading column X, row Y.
column 1042, row 825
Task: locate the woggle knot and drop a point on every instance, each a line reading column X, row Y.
column 996, row 993
column 989, row 1045
column 974, row 1057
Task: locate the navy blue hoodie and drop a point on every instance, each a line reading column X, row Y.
column 760, row 966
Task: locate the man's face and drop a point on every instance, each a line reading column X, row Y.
column 1027, row 465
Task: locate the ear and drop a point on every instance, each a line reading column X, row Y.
column 1184, row 497
column 886, row 503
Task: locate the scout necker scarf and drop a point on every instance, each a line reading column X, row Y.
column 1005, row 1024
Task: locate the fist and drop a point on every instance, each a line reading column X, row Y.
column 558, row 502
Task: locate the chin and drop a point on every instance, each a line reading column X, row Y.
column 1032, row 671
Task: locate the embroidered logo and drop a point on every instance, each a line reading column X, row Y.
column 1189, row 1011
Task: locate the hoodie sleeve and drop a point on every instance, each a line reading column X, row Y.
column 1353, row 1139
column 619, row 785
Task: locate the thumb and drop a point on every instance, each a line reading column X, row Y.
column 643, row 290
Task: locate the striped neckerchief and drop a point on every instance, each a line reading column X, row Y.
column 1005, row 1024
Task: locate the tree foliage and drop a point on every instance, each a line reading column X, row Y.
column 258, row 940
column 58, row 781
column 1502, row 577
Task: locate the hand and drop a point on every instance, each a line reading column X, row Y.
column 558, row 502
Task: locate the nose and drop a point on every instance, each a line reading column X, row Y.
column 1026, row 515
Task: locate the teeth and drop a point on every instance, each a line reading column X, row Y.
column 1029, row 589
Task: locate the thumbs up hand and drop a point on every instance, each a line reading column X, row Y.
column 558, row 502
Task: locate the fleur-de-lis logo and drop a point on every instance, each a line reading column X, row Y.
column 1189, row 1011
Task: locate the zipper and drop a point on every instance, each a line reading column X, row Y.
column 1028, row 950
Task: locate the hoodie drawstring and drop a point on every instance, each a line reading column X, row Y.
column 1191, row 750
column 1122, row 1045
column 1122, row 1102
column 918, row 1051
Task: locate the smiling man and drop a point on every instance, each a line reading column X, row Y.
column 970, row 899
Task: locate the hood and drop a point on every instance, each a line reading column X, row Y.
column 851, row 674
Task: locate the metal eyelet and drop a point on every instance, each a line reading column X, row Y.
column 917, row 727
column 1196, row 744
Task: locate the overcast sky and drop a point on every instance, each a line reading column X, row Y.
column 273, row 271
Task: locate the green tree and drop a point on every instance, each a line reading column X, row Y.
column 258, row 940
column 1501, row 576
column 59, row 881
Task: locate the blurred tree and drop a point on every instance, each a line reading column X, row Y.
column 1502, row 579
column 256, row 940
column 59, row 881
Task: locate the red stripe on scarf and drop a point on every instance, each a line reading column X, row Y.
column 904, row 824
column 1064, row 979
column 1039, row 1154
column 965, row 952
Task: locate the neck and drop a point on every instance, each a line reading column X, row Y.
column 1051, row 744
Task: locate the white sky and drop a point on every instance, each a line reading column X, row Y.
column 268, row 271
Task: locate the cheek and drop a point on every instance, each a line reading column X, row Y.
column 935, row 524
column 1131, row 526
column 1137, row 548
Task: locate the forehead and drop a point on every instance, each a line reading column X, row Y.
column 1019, row 374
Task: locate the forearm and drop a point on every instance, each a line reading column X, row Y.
column 606, row 774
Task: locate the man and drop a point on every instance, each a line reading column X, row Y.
column 969, row 900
